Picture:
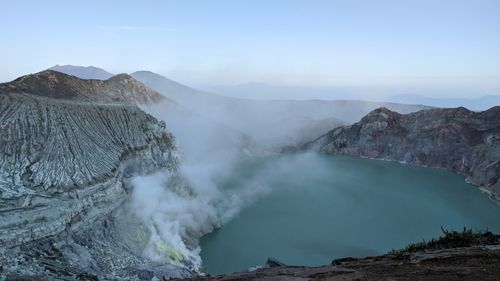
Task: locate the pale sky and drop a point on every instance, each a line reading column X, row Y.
column 281, row 42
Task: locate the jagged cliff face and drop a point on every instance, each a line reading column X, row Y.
column 457, row 139
column 65, row 151
column 51, row 147
column 121, row 88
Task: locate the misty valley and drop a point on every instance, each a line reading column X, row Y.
column 303, row 209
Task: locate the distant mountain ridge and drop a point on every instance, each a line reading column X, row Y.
column 263, row 91
column 277, row 120
column 178, row 92
column 478, row 104
column 83, row 72
column 120, row 88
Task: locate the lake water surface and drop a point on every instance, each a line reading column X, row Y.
column 320, row 207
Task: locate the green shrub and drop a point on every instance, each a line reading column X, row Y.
column 452, row 239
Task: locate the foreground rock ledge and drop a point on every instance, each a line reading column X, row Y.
column 470, row 263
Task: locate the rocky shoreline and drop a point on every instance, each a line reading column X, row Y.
column 455, row 139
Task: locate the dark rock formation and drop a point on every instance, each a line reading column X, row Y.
column 272, row 262
column 457, row 139
column 66, row 146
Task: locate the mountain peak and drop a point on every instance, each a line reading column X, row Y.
column 121, row 88
column 382, row 110
column 83, row 72
column 122, row 77
column 45, row 74
column 146, row 72
column 381, row 113
column 161, row 83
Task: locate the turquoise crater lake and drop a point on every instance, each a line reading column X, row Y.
column 320, row 207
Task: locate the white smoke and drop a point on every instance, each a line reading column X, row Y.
column 214, row 133
column 171, row 215
column 212, row 141
column 177, row 212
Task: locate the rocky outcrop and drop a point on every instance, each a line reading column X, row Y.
column 66, row 146
column 121, row 88
column 457, row 139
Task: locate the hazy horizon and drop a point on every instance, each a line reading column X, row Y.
column 419, row 90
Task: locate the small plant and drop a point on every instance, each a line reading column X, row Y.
column 452, row 239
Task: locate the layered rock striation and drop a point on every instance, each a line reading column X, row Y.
column 457, row 139
column 52, row 148
column 66, row 146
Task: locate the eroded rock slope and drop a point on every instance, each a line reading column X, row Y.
column 66, row 146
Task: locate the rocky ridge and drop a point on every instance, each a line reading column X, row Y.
column 121, row 88
column 67, row 147
column 457, row 139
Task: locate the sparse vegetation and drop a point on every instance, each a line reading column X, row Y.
column 452, row 239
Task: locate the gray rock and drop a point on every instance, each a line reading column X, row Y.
column 272, row 262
